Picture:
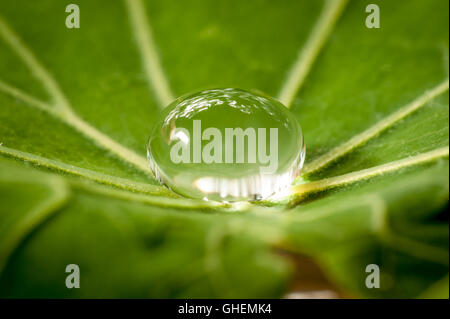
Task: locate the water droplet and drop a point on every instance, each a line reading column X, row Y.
column 226, row 145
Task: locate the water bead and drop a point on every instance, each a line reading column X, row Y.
column 226, row 145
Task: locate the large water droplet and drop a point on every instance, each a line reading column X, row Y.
column 226, row 145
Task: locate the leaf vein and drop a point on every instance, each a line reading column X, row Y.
column 374, row 130
column 118, row 182
column 412, row 247
column 332, row 182
column 309, row 52
column 62, row 108
column 152, row 66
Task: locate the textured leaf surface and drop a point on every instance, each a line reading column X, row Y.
column 80, row 103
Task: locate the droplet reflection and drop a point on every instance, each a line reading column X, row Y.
column 226, row 145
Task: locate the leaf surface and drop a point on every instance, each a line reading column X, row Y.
column 77, row 106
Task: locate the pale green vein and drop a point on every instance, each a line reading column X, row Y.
column 107, row 143
column 178, row 203
column 412, row 247
column 33, row 64
column 153, row 69
column 309, row 52
column 28, row 99
column 62, row 108
column 39, row 213
column 379, row 226
column 374, row 130
column 303, row 190
column 169, row 199
column 81, row 126
column 86, row 173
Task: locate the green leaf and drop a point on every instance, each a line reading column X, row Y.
column 77, row 106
